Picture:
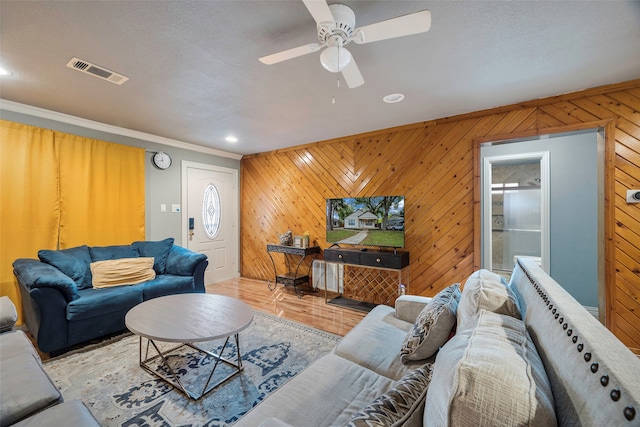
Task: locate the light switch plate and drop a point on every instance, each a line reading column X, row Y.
column 175, row 207
column 633, row 196
column 163, row 208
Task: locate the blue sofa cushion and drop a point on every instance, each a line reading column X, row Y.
column 102, row 253
column 98, row 302
column 181, row 261
column 167, row 284
column 158, row 250
column 74, row 262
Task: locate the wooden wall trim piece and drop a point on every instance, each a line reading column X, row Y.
column 435, row 164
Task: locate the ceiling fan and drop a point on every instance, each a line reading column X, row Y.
column 336, row 28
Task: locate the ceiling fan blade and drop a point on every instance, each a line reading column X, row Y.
column 290, row 54
column 406, row 25
column 352, row 76
column 320, row 11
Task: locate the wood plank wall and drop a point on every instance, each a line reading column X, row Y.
column 432, row 164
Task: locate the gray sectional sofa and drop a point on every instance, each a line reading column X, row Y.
column 522, row 353
column 29, row 398
column 62, row 305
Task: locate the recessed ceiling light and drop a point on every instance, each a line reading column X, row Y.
column 4, row 71
column 231, row 138
column 393, row 98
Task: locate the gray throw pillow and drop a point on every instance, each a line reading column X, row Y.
column 433, row 326
column 401, row 405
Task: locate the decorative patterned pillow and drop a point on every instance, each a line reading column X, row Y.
column 433, row 326
column 490, row 374
column 401, row 405
column 124, row 271
column 485, row 290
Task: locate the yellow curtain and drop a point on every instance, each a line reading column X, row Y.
column 58, row 191
column 101, row 192
column 29, row 202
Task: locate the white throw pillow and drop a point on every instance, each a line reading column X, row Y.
column 490, row 375
column 433, row 326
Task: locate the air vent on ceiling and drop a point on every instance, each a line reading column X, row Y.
column 95, row 70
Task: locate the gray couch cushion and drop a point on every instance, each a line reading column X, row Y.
column 24, row 386
column 433, row 326
column 490, row 375
column 72, row 413
column 401, row 406
column 8, row 314
column 363, row 344
column 16, row 344
column 327, row 393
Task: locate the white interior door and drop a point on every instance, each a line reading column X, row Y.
column 210, row 220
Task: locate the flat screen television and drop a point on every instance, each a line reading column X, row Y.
column 366, row 221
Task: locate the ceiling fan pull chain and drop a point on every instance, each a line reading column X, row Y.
column 333, row 98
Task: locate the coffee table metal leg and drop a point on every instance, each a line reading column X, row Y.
column 175, row 380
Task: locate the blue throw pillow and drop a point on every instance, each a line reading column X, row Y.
column 158, row 250
column 74, row 262
column 103, row 253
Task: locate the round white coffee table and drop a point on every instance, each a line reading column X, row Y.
column 188, row 319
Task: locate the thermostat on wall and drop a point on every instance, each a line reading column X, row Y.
column 633, row 196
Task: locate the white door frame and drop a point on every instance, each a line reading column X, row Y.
column 185, row 164
column 545, row 178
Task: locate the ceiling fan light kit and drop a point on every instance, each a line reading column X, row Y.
column 336, row 28
column 335, row 58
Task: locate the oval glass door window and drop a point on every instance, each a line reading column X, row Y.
column 211, row 211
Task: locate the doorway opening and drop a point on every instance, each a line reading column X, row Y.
column 558, row 220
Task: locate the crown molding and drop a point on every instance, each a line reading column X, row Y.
column 17, row 107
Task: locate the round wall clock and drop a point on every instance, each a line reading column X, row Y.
column 161, row 160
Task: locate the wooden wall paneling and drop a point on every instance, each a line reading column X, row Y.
column 559, row 113
column 575, row 112
column 322, row 173
column 510, row 122
column 544, row 120
column 434, row 164
column 625, row 298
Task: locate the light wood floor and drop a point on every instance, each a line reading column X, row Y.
column 282, row 302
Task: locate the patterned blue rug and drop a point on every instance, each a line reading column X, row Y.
column 108, row 379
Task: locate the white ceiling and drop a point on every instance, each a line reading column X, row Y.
column 195, row 75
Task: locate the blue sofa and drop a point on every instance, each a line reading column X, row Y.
column 61, row 307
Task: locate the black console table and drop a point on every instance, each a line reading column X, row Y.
column 293, row 277
column 370, row 277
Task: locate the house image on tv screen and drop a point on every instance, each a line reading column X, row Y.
column 361, row 219
column 367, row 221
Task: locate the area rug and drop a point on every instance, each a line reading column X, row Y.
column 109, row 380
